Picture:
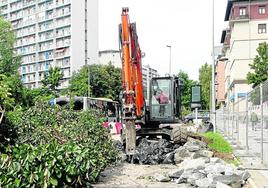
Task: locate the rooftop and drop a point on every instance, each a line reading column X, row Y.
column 229, row 7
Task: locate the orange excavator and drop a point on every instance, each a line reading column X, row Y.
column 160, row 113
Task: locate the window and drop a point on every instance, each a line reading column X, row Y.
column 242, row 11
column 261, row 28
column 262, row 9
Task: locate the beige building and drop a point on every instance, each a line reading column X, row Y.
column 113, row 56
column 220, row 82
column 247, row 29
column 110, row 56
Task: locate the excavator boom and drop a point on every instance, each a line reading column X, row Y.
column 133, row 101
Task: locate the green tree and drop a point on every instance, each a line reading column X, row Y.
column 186, row 91
column 204, row 80
column 6, row 99
column 9, row 63
column 259, row 66
column 105, row 81
column 52, row 78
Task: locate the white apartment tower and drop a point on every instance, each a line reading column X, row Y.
column 61, row 33
column 147, row 74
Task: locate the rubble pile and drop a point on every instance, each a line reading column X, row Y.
column 196, row 165
column 155, row 152
column 207, row 172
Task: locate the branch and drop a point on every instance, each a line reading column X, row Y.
column 2, row 111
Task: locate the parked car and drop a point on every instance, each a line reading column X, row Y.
column 190, row 117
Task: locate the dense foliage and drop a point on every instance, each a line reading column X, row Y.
column 259, row 66
column 105, row 81
column 9, row 63
column 52, row 78
column 186, row 92
column 205, row 73
column 55, row 147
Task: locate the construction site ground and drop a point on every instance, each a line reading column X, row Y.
column 125, row 175
column 131, row 175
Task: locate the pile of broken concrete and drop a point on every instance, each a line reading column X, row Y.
column 197, row 165
column 152, row 152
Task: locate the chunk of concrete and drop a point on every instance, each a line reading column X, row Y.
column 198, row 164
column 180, row 154
column 161, row 178
column 176, row 174
column 228, row 179
column 222, row 185
column 203, row 183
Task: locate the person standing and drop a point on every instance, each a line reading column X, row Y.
column 254, row 120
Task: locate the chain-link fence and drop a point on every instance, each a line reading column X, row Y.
column 245, row 122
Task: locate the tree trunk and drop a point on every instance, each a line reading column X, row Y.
column 2, row 112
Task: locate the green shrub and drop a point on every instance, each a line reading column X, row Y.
column 218, row 143
column 55, row 147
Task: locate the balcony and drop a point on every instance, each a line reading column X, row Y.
column 63, row 3
column 3, row 11
column 239, row 18
column 13, row 1
column 3, row 2
column 28, row 4
column 227, row 41
column 15, row 8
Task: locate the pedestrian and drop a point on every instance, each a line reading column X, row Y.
column 254, row 120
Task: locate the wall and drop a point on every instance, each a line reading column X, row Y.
column 77, row 35
column 92, row 31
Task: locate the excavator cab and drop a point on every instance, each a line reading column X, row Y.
column 164, row 101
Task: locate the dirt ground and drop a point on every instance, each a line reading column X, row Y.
column 130, row 175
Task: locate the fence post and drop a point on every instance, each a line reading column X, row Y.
column 224, row 121
column 233, row 120
column 228, row 124
column 247, row 147
column 261, row 103
column 237, row 123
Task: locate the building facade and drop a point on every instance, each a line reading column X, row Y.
column 51, row 33
column 219, row 76
column 113, row 56
column 147, row 74
column 110, row 56
column 220, row 82
column 248, row 22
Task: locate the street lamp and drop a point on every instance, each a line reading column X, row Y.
column 213, row 106
column 168, row 46
column 88, row 81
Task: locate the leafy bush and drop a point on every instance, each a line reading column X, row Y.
column 55, row 147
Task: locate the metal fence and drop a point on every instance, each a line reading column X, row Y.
column 245, row 122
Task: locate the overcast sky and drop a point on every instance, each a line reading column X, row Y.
column 185, row 25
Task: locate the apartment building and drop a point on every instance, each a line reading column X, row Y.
column 110, row 56
column 147, row 74
column 248, row 22
column 50, row 33
column 219, row 76
column 113, row 56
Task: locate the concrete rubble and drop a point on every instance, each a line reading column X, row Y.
column 196, row 165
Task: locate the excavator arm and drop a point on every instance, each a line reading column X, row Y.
column 133, row 101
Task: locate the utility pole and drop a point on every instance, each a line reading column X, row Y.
column 213, row 108
column 88, row 81
column 169, row 46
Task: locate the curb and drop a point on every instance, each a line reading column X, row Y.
column 252, row 183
